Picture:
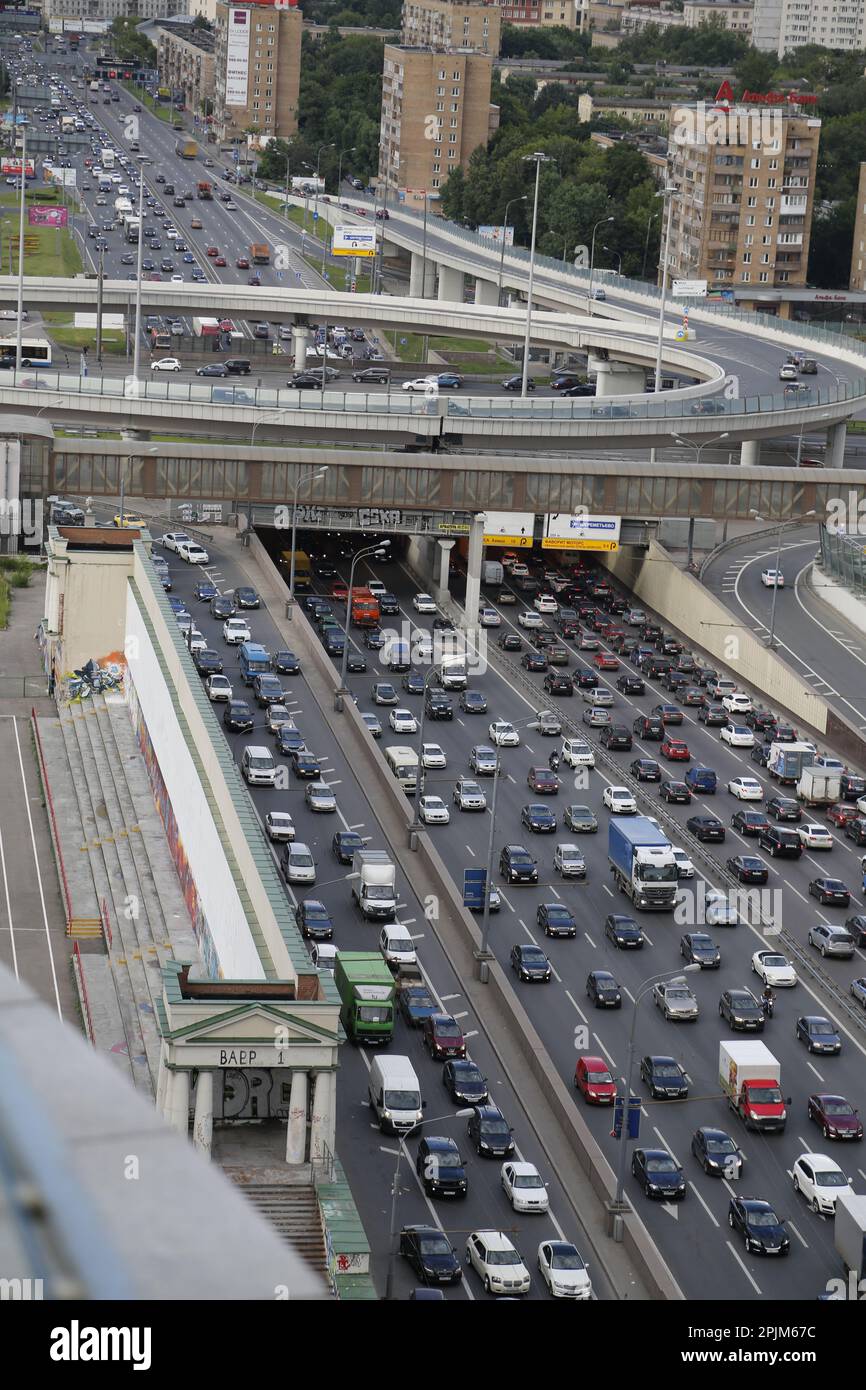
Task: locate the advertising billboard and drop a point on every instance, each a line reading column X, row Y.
column 11, row 164
column 237, row 57
column 580, row 531
column 496, row 234
column 513, row 529
column 47, row 217
column 354, row 241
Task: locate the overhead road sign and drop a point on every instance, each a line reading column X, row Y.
column 580, row 531
column 354, row 241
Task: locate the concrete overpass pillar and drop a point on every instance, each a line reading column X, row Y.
column 487, row 293
column 417, row 269
column 300, row 343
column 617, row 378
column 750, row 452
column 450, row 284
column 445, row 548
column 835, row 457
column 473, row 570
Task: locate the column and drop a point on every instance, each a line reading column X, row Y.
column 617, row 378
column 450, row 284
column 750, row 452
column 835, row 457
column 323, row 1127
column 296, row 1129
column 487, row 293
column 416, row 276
column 202, row 1129
column 445, row 548
column 473, row 570
column 178, row 1102
column 300, row 343
column 162, row 1081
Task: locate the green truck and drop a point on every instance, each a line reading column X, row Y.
column 367, row 990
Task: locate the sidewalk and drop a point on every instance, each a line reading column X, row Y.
column 23, row 681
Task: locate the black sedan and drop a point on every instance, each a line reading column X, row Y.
column 555, row 919
column 208, row 662
column 413, row 683
column 830, row 892
column 534, row 661
column 314, row 920
column 741, row 1011
column 819, row 1034
column 515, row 383
column 345, row 845
column 465, row 1082
column 630, row 685
column 285, row 663
column 659, row 1174
column 584, row 679
column 665, row 1078
column 416, row 1004
column 430, row 1254
column 246, row 597
column 238, row 717
column 473, row 702
column 756, row 1221
column 557, row 685
column 205, row 591
column 716, row 1152
column 748, row 868
column 857, row 927
column 749, row 822
column 222, row 607
column 700, row 949
column 623, row 931
column 538, row 818
column 645, row 770
column 374, row 639
column 530, row 963
column 289, row 740
column 784, row 808
column 510, row 642
column 305, row 381
column 603, row 990
column 615, row 737
column 356, row 663
column 212, row 369
column 675, row 791
column 706, row 828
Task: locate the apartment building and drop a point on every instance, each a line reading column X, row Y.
column 257, row 69
column 641, row 111
column 185, row 58
column 435, row 111
column 746, row 182
column 566, row 14
column 858, row 248
column 781, row 25
column 472, row 24
column 732, row 15
column 111, row 9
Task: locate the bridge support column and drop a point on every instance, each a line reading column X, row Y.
column 473, row 570
column 445, row 548
column 450, row 284
column 323, row 1124
column 487, row 293
column 417, row 268
column 750, row 452
column 617, row 378
column 202, row 1129
column 300, row 343
column 835, row 457
column 296, row 1127
column 178, row 1102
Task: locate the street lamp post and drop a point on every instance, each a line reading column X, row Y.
column 539, row 158
column 136, row 346
column 329, row 146
column 524, row 198
column 19, row 331
column 311, row 473
column 351, row 149
column 782, row 524
column 618, row 1204
column 395, row 1190
column 698, row 448
column 618, row 255
column 668, row 192
column 378, row 551
column 601, row 222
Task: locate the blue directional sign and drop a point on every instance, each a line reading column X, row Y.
column 315, row 217
column 474, row 883
column 279, row 275
column 298, row 276
column 633, row 1118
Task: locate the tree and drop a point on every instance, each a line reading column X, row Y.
column 830, row 246
column 129, row 44
column 755, row 70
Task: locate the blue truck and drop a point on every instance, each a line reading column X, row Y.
column 642, row 862
column 254, row 660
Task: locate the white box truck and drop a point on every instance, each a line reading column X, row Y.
column 106, row 159
column 206, row 327
column 492, row 573
column 819, row 786
column 849, row 1234
column 375, row 888
column 751, row 1078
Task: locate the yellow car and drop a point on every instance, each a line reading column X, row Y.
column 130, row 520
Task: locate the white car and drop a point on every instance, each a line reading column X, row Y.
column 299, row 866
column 568, row 861
column 423, row 603
column 422, row 383
column 193, row 553
column 432, row 755
column 772, row 579
column 774, row 969
column 821, row 1181
column 469, row 796
column 196, row 641
column 718, row 911
column 280, row 826
column 218, row 688
column 503, row 734
column 172, row 539
column 488, row 617
column 736, row 703
column 403, row 721
column 422, row 646
column 495, row 1259
column 236, row 631
column 814, row 836
column 787, row 372
column 433, row 811
column 524, row 1187
column 619, row 800
column 746, row 789
column 546, row 604
column 177, row 279
column 530, row 619
column 577, row 753
column 377, row 587
column 737, row 736
column 165, row 364
column 562, row 1269
column 685, row 867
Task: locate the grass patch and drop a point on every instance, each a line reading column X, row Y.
column 113, row 340
column 47, row 250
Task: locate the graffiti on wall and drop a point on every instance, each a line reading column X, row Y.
column 99, row 674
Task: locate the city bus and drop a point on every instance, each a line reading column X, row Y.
column 303, row 570
column 35, row 352
column 403, row 762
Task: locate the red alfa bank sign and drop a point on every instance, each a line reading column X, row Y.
column 756, row 117
column 725, row 97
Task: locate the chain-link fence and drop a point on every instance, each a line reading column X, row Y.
column 844, row 557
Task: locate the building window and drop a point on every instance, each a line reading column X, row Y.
column 452, row 139
column 747, row 275
column 763, row 277
column 747, row 258
column 440, row 91
column 753, row 183
column 751, row 202
column 455, row 106
column 435, row 182
column 454, row 122
column 750, row 221
column 455, row 76
column 442, row 76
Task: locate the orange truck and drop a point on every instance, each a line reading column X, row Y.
column 365, row 608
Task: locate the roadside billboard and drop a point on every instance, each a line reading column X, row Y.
column 11, row 164
column 496, row 234
column 354, row 241
column 580, row 531
column 47, row 217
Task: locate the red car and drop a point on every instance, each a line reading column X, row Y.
column 242, row 263
column 835, row 1117
column 220, row 260
column 676, row 750
column 605, row 662
column 443, row 1037
column 340, row 590
column 543, row 781
column 594, row 1081
column 362, row 212
column 213, row 251
column 840, row 815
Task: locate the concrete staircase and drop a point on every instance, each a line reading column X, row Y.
column 287, row 1200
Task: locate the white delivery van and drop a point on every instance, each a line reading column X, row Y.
column 395, row 1093
column 258, row 766
column 397, row 946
